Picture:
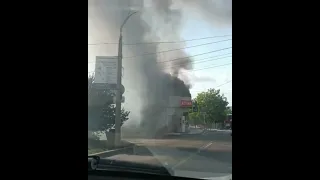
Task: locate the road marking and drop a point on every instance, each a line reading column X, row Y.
column 192, row 155
column 204, row 146
column 183, row 161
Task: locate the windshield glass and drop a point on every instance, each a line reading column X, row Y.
column 160, row 84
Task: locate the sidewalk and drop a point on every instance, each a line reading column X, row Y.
column 220, row 130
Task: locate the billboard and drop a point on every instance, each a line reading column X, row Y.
column 106, row 70
column 185, row 103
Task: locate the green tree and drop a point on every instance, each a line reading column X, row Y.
column 101, row 110
column 214, row 104
column 228, row 111
column 194, row 118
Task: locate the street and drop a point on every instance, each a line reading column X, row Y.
column 210, row 151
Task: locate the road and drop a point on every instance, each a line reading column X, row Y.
column 207, row 152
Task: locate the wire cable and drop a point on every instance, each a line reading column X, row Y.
column 160, row 42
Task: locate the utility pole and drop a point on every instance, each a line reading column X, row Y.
column 118, row 92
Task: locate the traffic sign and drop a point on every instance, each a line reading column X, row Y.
column 122, row 89
column 195, row 106
column 115, row 99
column 114, row 90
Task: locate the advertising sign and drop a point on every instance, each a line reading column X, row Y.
column 106, row 70
column 185, row 103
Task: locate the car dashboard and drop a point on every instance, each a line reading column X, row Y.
column 102, row 169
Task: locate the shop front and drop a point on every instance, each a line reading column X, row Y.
column 177, row 113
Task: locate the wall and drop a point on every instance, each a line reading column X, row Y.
column 174, row 113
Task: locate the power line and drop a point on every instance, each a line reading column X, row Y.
column 197, row 62
column 194, row 62
column 176, row 49
column 196, row 69
column 200, row 60
column 160, row 42
column 189, row 56
column 211, row 67
column 194, row 55
column 215, row 87
column 224, row 83
column 177, row 65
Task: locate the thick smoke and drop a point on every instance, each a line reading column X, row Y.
column 150, row 79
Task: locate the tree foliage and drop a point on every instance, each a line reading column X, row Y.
column 101, row 110
column 214, row 104
column 109, row 116
column 228, row 111
column 195, row 118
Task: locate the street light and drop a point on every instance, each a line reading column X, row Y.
column 118, row 92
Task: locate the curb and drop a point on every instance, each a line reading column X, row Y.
column 173, row 134
column 103, row 154
column 179, row 134
column 203, row 131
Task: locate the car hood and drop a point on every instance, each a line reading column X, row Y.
column 202, row 175
column 159, row 162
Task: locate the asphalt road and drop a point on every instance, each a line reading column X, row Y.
column 207, row 152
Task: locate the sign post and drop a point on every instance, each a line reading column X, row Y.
column 203, row 112
column 204, row 118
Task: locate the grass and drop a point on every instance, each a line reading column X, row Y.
column 95, row 146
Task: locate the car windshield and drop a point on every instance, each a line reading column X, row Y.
column 160, row 84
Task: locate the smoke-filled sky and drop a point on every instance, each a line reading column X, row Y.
column 165, row 20
column 212, row 77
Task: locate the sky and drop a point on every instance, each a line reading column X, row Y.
column 202, row 79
